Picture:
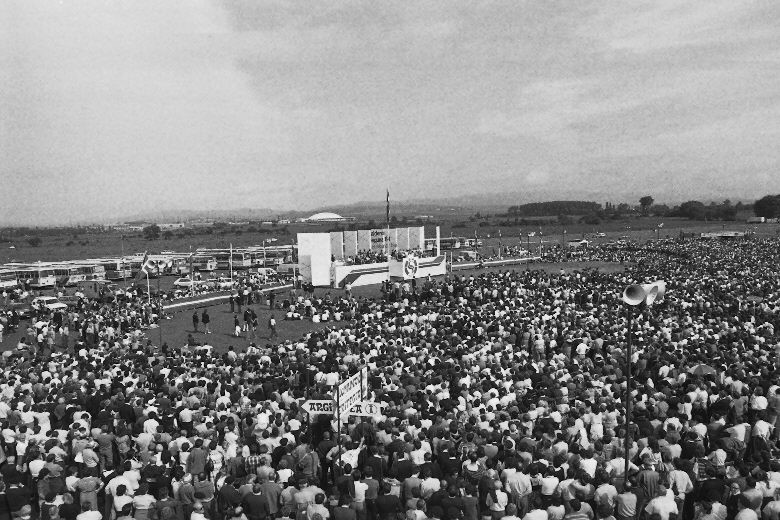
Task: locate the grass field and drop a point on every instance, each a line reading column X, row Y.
column 111, row 244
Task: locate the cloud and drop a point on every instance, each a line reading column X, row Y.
column 116, row 106
column 660, row 26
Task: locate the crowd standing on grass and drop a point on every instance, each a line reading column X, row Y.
column 502, row 398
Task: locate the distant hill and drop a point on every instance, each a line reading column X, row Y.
column 180, row 215
column 556, row 207
column 434, row 206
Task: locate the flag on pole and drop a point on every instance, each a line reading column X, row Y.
column 387, row 209
column 146, row 266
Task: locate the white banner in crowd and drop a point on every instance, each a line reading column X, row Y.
column 351, row 392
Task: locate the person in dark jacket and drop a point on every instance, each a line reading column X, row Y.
column 256, row 505
column 387, row 505
column 206, row 319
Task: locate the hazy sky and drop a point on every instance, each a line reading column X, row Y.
column 114, row 107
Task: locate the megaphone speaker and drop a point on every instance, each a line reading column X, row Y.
column 651, row 292
column 634, row 294
column 661, row 290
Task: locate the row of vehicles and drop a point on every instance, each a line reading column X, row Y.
column 456, row 243
column 45, row 275
column 48, row 275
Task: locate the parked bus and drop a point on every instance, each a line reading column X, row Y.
column 72, row 273
column 180, row 266
column 98, row 272
column 204, row 263
column 114, row 268
column 136, row 263
column 8, row 279
column 241, row 260
column 271, row 257
column 451, row 243
column 37, row 277
column 69, row 275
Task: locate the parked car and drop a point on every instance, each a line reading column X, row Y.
column 187, row 282
column 50, row 302
column 222, row 283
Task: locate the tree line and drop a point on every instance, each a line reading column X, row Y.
column 555, row 207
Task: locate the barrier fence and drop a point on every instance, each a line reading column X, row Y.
column 209, row 299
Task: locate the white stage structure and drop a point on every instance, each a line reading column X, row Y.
column 323, row 257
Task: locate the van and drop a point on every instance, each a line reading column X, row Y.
column 97, row 289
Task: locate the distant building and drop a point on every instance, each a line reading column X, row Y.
column 325, row 217
column 127, row 227
column 200, row 223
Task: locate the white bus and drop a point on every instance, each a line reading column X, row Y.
column 271, row 257
column 37, row 277
column 70, row 274
column 114, row 268
column 451, row 243
column 135, row 265
column 8, row 279
column 204, row 263
column 241, row 260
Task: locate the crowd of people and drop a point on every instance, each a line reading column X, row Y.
column 366, row 256
column 502, row 393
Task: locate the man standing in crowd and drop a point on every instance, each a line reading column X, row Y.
column 206, row 319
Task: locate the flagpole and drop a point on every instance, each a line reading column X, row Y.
column 159, row 306
column 148, row 290
column 231, row 263
column 387, row 235
column 294, row 257
column 122, row 265
column 192, row 274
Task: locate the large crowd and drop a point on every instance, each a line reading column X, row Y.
column 502, row 398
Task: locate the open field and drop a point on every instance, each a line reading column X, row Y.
column 112, row 244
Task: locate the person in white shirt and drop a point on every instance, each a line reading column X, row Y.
column 664, row 504
column 88, row 514
column 549, row 483
column 35, row 466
